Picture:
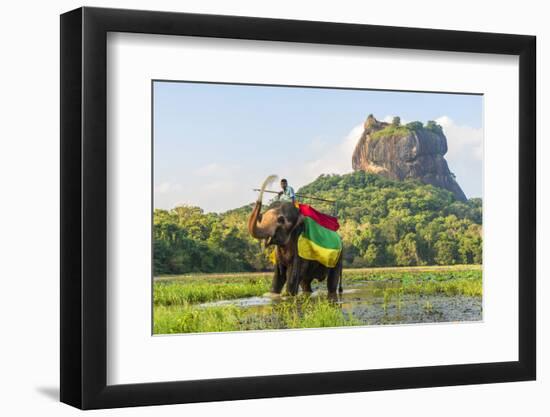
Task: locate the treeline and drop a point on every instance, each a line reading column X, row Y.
column 383, row 223
column 188, row 240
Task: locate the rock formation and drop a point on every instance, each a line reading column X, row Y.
column 401, row 152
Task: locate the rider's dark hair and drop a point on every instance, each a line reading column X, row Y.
column 284, row 180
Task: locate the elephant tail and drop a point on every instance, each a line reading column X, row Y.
column 340, row 275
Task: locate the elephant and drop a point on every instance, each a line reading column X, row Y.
column 281, row 225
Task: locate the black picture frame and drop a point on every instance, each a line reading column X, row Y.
column 84, row 207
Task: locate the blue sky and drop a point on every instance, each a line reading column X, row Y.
column 214, row 143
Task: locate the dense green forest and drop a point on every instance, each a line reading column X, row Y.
column 383, row 223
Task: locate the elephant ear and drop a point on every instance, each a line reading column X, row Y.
column 298, row 226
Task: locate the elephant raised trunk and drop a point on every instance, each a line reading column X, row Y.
column 255, row 218
column 257, row 226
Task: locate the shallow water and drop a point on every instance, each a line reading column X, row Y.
column 369, row 303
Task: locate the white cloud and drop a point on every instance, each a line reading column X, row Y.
column 166, row 187
column 335, row 160
column 210, row 169
column 465, row 154
column 463, row 141
column 318, row 145
column 216, row 195
column 165, row 192
column 214, row 186
column 324, row 156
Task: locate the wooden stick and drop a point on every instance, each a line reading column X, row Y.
column 299, row 195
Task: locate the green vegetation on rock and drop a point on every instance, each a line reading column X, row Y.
column 392, row 130
column 397, row 130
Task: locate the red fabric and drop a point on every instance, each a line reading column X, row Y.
column 324, row 220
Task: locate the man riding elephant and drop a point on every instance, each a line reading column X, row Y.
column 286, row 193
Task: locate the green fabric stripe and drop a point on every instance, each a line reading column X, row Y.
column 321, row 235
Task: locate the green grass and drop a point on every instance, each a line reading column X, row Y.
column 312, row 313
column 177, row 293
column 414, row 274
column 467, row 283
column 371, row 273
column 178, row 299
column 299, row 313
column 190, row 319
column 202, row 289
column 457, row 287
column 461, row 286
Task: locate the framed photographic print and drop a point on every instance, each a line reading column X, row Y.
column 257, row 207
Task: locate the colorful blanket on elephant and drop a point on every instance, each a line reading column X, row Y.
column 319, row 241
column 322, row 219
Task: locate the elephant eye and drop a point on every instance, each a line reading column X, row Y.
column 281, row 220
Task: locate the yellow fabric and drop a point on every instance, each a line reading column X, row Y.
column 313, row 252
column 273, row 256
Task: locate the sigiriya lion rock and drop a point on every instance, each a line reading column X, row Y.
column 400, row 152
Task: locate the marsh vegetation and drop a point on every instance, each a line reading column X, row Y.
column 372, row 296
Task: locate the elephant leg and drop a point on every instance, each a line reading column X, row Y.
column 279, row 279
column 294, row 275
column 306, row 285
column 334, row 280
column 332, row 284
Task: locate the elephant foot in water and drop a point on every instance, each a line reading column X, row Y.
column 306, row 288
column 333, row 296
